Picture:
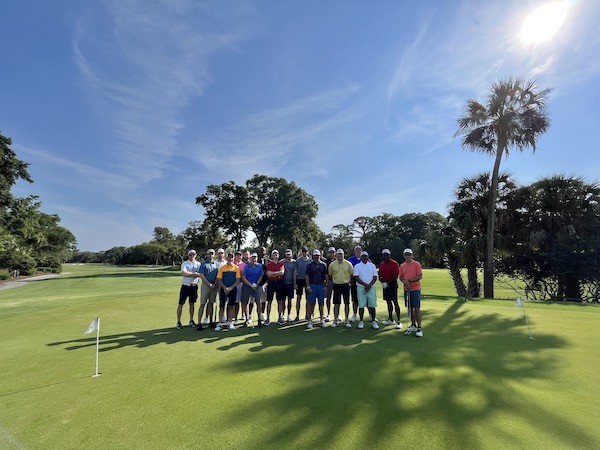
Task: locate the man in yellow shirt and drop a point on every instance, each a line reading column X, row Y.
column 341, row 272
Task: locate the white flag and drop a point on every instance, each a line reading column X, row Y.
column 518, row 303
column 93, row 326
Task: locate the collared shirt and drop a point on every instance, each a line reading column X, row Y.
column 389, row 270
column 228, row 273
column 209, row 269
column 408, row 271
column 316, row 272
column 253, row 273
column 365, row 272
column 341, row 271
column 354, row 260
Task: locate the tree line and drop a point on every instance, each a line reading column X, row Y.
column 30, row 240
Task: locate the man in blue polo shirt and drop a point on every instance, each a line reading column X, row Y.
column 251, row 275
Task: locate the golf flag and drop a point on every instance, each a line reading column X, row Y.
column 93, row 326
column 518, row 303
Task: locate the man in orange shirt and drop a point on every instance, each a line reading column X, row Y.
column 411, row 274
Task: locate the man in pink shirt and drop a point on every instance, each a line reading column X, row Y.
column 410, row 275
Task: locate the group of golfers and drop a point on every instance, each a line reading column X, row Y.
column 241, row 280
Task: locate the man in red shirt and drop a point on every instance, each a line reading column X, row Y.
column 388, row 276
column 410, row 275
column 275, row 271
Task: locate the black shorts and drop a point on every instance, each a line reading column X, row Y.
column 301, row 286
column 228, row 298
column 390, row 293
column 275, row 288
column 354, row 292
column 188, row 291
column 288, row 291
column 339, row 291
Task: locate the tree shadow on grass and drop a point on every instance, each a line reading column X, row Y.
column 139, row 339
column 455, row 381
column 463, row 376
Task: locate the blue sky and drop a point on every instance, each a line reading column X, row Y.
column 127, row 110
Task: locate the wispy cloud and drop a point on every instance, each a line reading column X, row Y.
column 143, row 69
column 268, row 139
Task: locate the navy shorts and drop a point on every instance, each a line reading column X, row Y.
column 415, row 299
column 229, row 298
column 188, row 291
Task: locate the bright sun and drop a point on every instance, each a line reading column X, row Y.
column 544, row 22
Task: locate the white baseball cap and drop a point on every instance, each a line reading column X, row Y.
column 316, row 252
column 339, row 251
column 331, row 249
column 407, row 250
column 192, row 252
column 364, row 253
column 386, row 251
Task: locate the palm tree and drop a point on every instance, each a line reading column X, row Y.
column 469, row 213
column 513, row 116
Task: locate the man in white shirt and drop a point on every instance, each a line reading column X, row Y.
column 189, row 286
column 365, row 274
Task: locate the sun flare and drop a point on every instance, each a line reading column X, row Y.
column 544, row 22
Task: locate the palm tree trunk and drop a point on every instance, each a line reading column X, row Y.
column 454, row 268
column 488, row 266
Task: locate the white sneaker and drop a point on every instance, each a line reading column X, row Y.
column 205, row 321
column 348, row 324
column 353, row 318
column 334, row 324
column 327, row 318
column 249, row 323
column 389, row 322
column 309, row 325
column 231, row 326
column 218, row 327
column 408, row 331
column 399, row 326
column 375, row 325
column 361, row 325
column 419, row 333
column 323, row 324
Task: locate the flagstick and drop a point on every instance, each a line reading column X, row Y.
column 97, row 374
column 526, row 319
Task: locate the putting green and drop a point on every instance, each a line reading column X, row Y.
column 475, row 380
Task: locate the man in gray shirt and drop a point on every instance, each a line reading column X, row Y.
column 299, row 282
column 288, row 286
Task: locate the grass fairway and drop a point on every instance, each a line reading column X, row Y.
column 474, row 381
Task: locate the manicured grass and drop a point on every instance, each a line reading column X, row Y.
column 474, row 381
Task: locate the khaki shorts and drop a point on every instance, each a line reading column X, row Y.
column 208, row 295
